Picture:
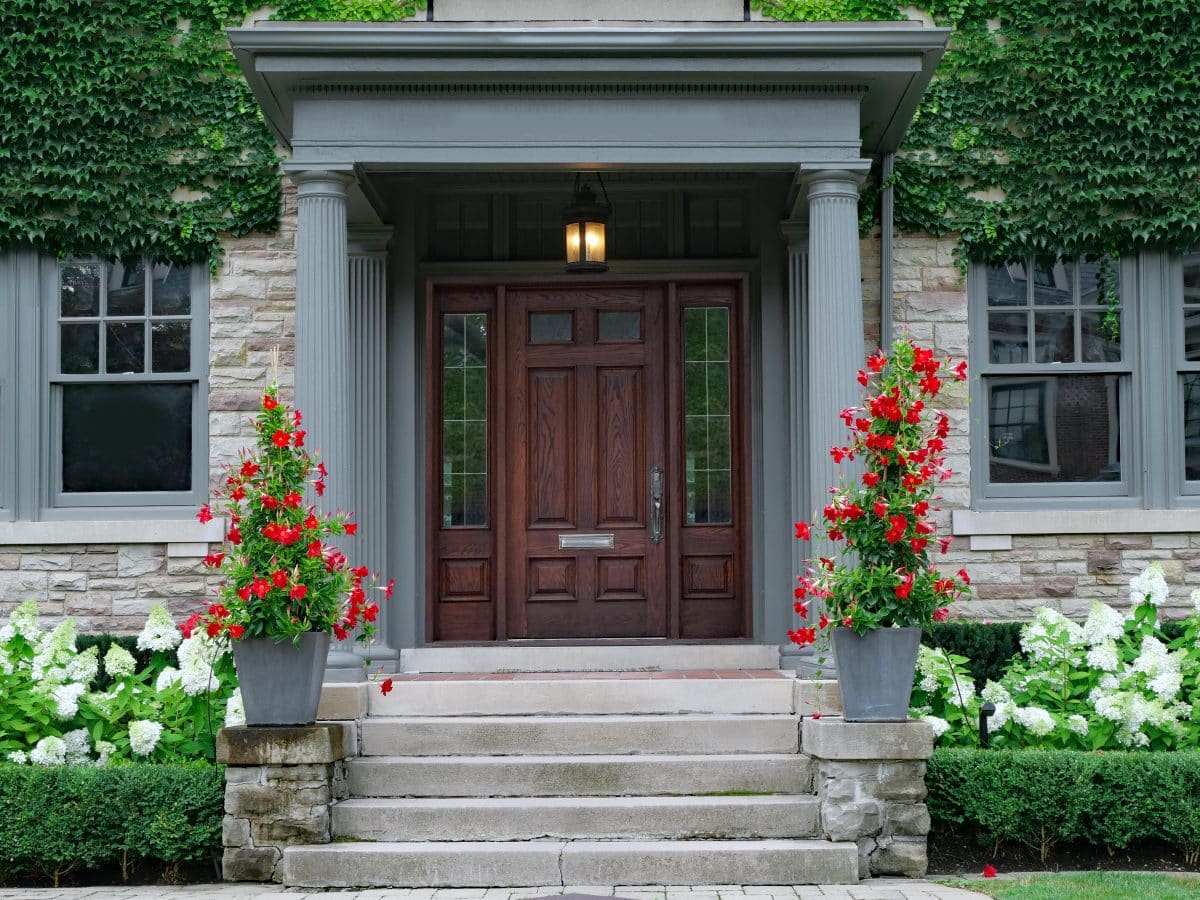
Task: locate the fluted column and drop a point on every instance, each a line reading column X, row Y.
column 368, row 352
column 323, row 351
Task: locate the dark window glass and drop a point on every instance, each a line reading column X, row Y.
column 1007, row 285
column 126, row 437
column 1191, row 307
column 171, row 346
column 1053, row 282
column 79, row 291
column 464, row 419
column 551, row 328
column 620, row 326
column 708, row 426
column 126, row 289
column 125, row 347
column 1191, row 426
column 1063, row 428
column 79, row 349
column 171, row 290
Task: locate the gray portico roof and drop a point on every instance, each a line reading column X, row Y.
column 886, row 64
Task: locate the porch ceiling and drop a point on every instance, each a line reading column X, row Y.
column 742, row 94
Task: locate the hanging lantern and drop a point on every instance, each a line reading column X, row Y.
column 585, row 225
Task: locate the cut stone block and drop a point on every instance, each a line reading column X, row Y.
column 281, row 745
column 835, row 739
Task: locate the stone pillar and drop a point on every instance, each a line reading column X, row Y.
column 323, row 351
column 869, row 778
column 368, row 352
column 280, row 783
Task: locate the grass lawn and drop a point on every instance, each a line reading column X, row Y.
column 1087, row 886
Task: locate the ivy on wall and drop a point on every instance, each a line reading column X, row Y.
column 125, row 128
column 1059, row 126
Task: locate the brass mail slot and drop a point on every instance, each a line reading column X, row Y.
column 585, row 542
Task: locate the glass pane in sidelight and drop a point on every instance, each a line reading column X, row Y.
column 1063, row 428
column 126, row 437
column 79, row 290
column 707, row 421
column 464, row 420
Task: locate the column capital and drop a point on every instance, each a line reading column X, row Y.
column 321, row 183
column 365, row 240
column 795, row 232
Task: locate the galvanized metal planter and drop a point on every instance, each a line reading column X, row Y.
column 281, row 681
column 875, row 672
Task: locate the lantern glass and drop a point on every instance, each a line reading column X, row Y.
column 594, row 242
column 574, row 244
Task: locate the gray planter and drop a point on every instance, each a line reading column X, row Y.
column 281, row 682
column 875, row 672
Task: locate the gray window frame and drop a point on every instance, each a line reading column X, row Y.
column 986, row 494
column 1182, row 491
column 55, row 504
column 8, row 373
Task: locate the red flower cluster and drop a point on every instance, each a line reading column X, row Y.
column 883, row 516
column 283, row 573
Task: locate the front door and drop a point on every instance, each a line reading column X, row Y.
column 586, row 449
column 587, row 460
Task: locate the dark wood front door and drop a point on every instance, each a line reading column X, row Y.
column 587, row 460
column 586, row 425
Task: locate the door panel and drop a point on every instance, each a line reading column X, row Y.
column 550, row 477
column 620, row 402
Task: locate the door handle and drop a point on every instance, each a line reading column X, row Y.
column 656, row 504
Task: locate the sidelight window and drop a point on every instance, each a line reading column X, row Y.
column 707, row 419
column 464, row 419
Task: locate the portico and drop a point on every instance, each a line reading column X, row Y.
column 422, row 153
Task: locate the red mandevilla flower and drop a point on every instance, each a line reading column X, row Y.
column 882, row 512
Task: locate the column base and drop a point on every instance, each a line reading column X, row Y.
column 344, row 667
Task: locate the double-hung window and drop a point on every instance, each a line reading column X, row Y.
column 1056, row 358
column 1185, row 280
column 125, row 355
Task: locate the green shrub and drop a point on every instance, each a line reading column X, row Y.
column 1041, row 797
column 57, row 820
column 987, row 647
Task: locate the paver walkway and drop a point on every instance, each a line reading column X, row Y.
column 875, row 889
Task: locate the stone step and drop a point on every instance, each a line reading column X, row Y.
column 568, row 735
column 521, row 863
column 768, row 692
column 566, row 776
column 534, row 818
column 592, row 658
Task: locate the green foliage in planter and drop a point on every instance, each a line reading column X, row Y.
column 1058, row 127
column 1038, row 798
column 58, row 820
column 127, row 129
column 988, row 648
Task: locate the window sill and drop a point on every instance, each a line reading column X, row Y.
column 150, row 531
column 972, row 522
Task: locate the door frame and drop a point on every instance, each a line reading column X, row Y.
column 741, row 459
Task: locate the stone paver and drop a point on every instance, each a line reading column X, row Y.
column 875, row 889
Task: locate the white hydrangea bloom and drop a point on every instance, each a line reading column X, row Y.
column 1036, row 719
column 1078, row 724
column 66, row 699
column 940, row 726
column 24, row 620
column 994, row 692
column 1166, row 685
column 160, row 631
column 167, row 678
column 235, row 712
column 960, row 694
column 1195, row 601
column 1150, row 586
column 197, row 655
column 1108, row 705
column 105, row 749
column 119, row 662
column 79, row 747
column 1109, row 682
column 20, row 757
column 1050, row 636
column 929, row 683
column 144, row 736
column 1103, row 624
column 1104, row 657
column 1154, row 658
column 84, row 666
column 50, row 751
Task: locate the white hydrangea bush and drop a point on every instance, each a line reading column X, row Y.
column 63, row 706
column 1111, row 683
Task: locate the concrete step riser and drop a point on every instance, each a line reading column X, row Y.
column 517, row 864
column 577, row 818
column 584, row 697
column 504, row 736
column 628, row 658
column 612, row 776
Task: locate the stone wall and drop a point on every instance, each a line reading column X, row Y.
column 106, row 587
